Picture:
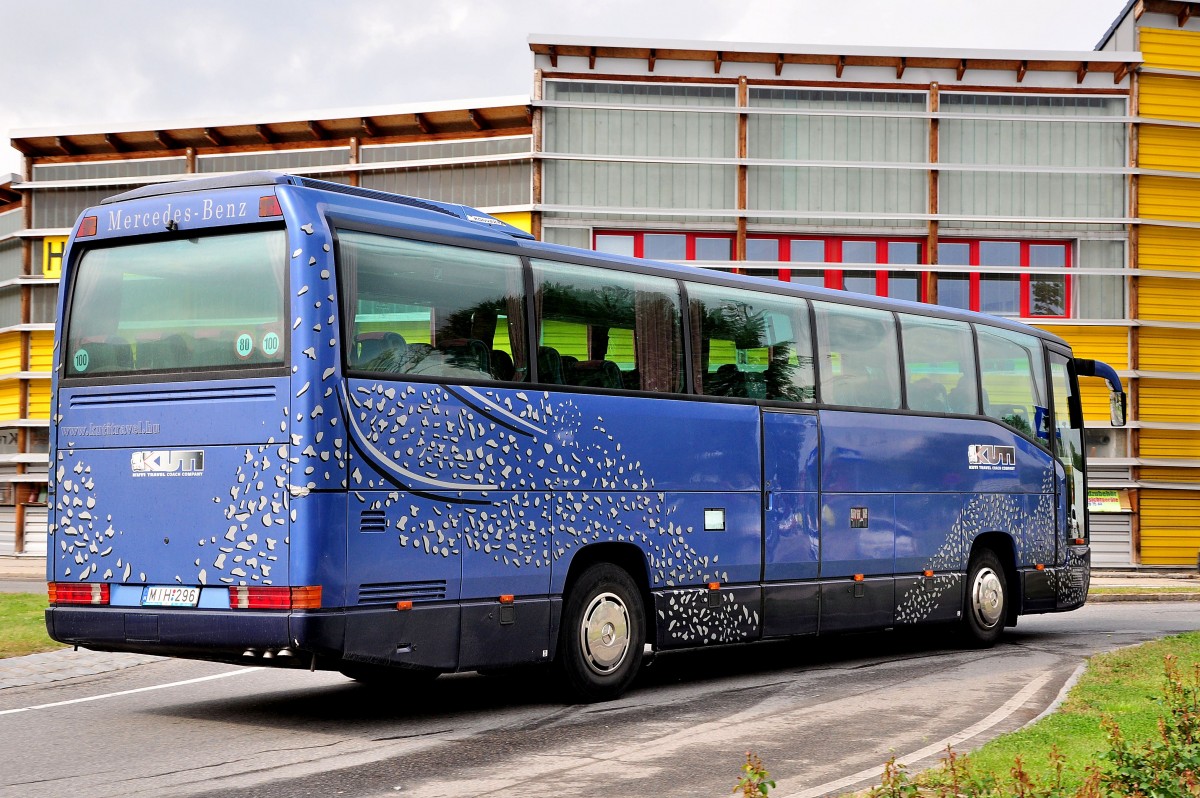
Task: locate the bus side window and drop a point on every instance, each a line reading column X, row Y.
column 939, row 365
column 1014, row 383
column 750, row 345
column 409, row 317
column 859, row 356
column 602, row 328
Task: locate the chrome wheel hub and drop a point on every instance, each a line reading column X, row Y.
column 604, row 633
column 987, row 598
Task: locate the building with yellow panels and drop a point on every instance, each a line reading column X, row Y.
column 1060, row 188
column 1164, row 282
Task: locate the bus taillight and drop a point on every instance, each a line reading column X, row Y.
column 87, row 227
column 275, row 598
column 269, row 206
column 77, row 593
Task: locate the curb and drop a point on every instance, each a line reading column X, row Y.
column 1147, row 596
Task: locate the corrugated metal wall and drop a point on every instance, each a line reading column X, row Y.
column 1168, row 510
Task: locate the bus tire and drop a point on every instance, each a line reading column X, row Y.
column 602, row 635
column 986, row 599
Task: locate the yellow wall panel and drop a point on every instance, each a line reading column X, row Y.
column 1168, row 350
column 10, row 353
column 1164, row 474
column 1168, row 298
column 1171, row 148
column 10, row 400
column 39, row 399
column 522, row 220
column 1110, row 344
column 1170, row 198
column 1170, row 526
column 41, row 350
column 1163, row 48
column 1169, row 248
column 1169, row 97
column 1169, row 443
column 1176, row 401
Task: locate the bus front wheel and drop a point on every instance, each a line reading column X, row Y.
column 602, row 635
column 986, row 600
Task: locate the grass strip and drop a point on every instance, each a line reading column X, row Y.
column 1125, row 685
column 23, row 625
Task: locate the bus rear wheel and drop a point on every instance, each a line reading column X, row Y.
column 986, row 600
column 602, row 634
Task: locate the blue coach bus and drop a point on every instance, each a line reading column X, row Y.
column 303, row 424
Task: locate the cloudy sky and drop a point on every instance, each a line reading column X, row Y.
column 129, row 64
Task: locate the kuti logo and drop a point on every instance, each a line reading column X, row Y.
column 184, row 463
column 990, row 457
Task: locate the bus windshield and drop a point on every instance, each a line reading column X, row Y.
column 210, row 302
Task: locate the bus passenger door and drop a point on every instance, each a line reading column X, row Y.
column 791, row 532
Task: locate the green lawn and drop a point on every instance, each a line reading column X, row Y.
column 1126, row 686
column 23, row 624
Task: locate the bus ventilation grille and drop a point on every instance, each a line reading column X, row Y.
column 386, row 593
column 399, row 199
column 372, row 521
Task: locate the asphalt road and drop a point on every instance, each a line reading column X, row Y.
column 823, row 714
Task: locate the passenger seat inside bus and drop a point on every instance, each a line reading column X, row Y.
column 111, row 353
column 159, row 352
column 380, row 351
column 549, row 365
column 503, row 368
column 596, row 374
column 466, row 353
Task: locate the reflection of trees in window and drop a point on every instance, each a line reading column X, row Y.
column 737, row 322
column 1047, row 296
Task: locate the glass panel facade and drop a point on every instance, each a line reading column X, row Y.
column 484, row 186
column 280, row 160
column 1049, row 138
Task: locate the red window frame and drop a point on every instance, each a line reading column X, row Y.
column 835, row 276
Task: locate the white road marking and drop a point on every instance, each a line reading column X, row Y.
column 237, row 672
column 1008, row 708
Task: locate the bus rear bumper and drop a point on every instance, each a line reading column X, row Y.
column 220, row 636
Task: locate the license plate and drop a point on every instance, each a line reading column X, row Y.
column 171, row 596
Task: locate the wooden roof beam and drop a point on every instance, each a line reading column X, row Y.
column 591, row 58
column 1022, row 68
column 553, row 55
column 1185, row 14
column 66, row 145
column 841, row 65
column 652, row 58
column 316, row 131
column 900, row 66
column 717, row 62
column 368, row 128
column 1082, row 72
column 214, row 137
column 111, row 140
column 962, row 68
column 477, row 119
column 266, row 134
column 166, row 141
column 1121, row 73
column 423, row 124
column 778, row 64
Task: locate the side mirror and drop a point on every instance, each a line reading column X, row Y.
column 1117, row 407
